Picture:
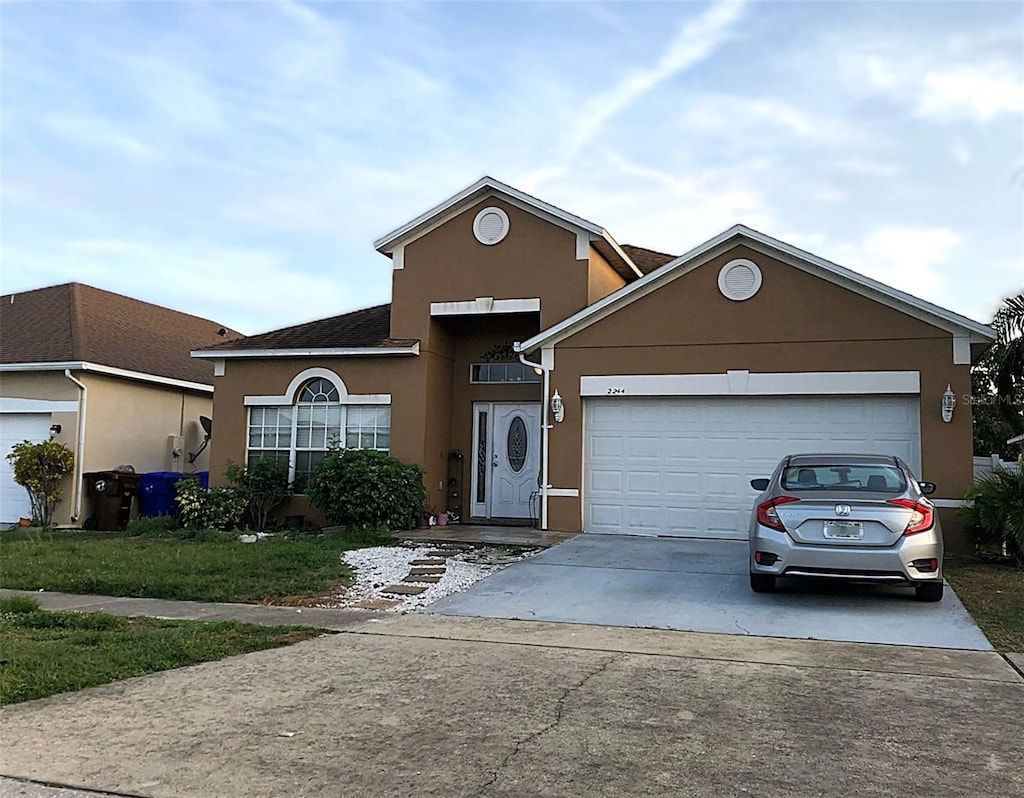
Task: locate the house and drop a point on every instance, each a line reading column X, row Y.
column 106, row 375
column 676, row 379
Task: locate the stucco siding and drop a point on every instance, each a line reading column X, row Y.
column 797, row 322
column 536, row 259
column 602, row 279
column 131, row 423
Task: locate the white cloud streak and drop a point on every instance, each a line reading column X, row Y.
column 696, row 40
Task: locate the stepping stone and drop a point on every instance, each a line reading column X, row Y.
column 429, row 561
column 431, row 580
column 377, row 604
column 425, row 571
column 444, row 553
column 404, row 590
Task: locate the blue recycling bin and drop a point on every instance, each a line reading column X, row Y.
column 156, row 491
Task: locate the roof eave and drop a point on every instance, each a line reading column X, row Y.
column 342, row 351
column 110, row 371
column 467, row 196
column 978, row 332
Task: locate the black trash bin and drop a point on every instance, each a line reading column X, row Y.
column 111, row 493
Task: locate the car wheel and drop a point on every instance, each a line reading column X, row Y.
column 931, row 591
column 762, row 583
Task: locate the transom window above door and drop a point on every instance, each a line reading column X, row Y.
column 502, row 372
column 321, row 418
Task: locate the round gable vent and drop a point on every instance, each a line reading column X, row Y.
column 490, row 226
column 739, row 280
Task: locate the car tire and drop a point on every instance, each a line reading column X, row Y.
column 930, row 591
column 762, row 583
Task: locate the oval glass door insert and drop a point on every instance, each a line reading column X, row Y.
column 517, row 444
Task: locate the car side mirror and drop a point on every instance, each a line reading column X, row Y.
column 927, row 488
column 760, row 484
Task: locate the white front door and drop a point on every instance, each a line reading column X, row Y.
column 506, row 460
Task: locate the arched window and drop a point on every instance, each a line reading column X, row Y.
column 319, row 420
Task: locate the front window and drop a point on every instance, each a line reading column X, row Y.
column 302, row 434
column 833, row 477
column 502, row 372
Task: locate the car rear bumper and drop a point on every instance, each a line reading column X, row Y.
column 889, row 564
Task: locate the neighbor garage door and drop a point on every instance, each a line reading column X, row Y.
column 14, row 428
column 682, row 466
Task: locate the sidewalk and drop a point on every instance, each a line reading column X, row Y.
column 333, row 620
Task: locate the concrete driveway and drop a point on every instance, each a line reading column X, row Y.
column 702, row 585
column 431, row 705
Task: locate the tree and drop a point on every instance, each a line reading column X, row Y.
column 40, row 468
column 1009, row 324
column 997, row 384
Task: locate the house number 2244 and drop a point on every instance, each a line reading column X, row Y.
column 616, row 390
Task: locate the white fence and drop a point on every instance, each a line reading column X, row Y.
column 982, row 465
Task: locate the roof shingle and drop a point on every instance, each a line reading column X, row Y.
column 368, row 327
column 74, row 322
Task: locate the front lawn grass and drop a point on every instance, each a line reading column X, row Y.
column 56, row 652
column 994, row 595
column 214, row 566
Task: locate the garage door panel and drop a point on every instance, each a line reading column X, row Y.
column 644, row 483
column 701, row 459
column 15, row 428
column 644, row 448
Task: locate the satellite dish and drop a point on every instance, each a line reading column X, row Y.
column 207, row 424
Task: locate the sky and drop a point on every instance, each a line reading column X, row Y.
column 236, row 160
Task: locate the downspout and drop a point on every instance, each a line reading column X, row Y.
column 82, row 396
column 545, row 426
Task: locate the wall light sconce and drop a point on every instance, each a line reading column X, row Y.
column 948, row 403
column 55, row 429
column 557, row 408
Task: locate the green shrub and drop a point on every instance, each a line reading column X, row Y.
column 220, row 508
column 39, row 468
column 264, row 484
column 152, row 526
column 18, row 605
column 365, row 488
column 997, row 510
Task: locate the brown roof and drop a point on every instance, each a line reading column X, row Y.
column 74, row 322
column 646, row 260
column 368, row 327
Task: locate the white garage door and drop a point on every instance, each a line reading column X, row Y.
column 15, row 428
column 683, row 466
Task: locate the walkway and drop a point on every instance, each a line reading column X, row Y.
column 491, row 535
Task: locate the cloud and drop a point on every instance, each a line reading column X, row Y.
column 696, row 40
column 905, row 257
column 97, row 132
column 978, row 92
column 249, row 289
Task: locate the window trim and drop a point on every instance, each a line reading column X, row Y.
column 290, row 399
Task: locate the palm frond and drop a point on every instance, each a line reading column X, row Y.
column 1009, row 319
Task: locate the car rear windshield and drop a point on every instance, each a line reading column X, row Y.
column 838, row 477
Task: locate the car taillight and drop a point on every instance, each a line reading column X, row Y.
column 767, row 515
column 922, row 517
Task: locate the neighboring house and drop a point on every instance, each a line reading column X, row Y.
column 679, row 378
column 108, row 376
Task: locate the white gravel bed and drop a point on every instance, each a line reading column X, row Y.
column 382, row 566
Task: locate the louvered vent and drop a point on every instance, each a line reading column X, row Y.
column 739, row 280
column 490, row 226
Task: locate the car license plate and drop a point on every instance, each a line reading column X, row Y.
column 844, row 530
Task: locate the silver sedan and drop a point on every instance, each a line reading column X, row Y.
column 855, row 517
